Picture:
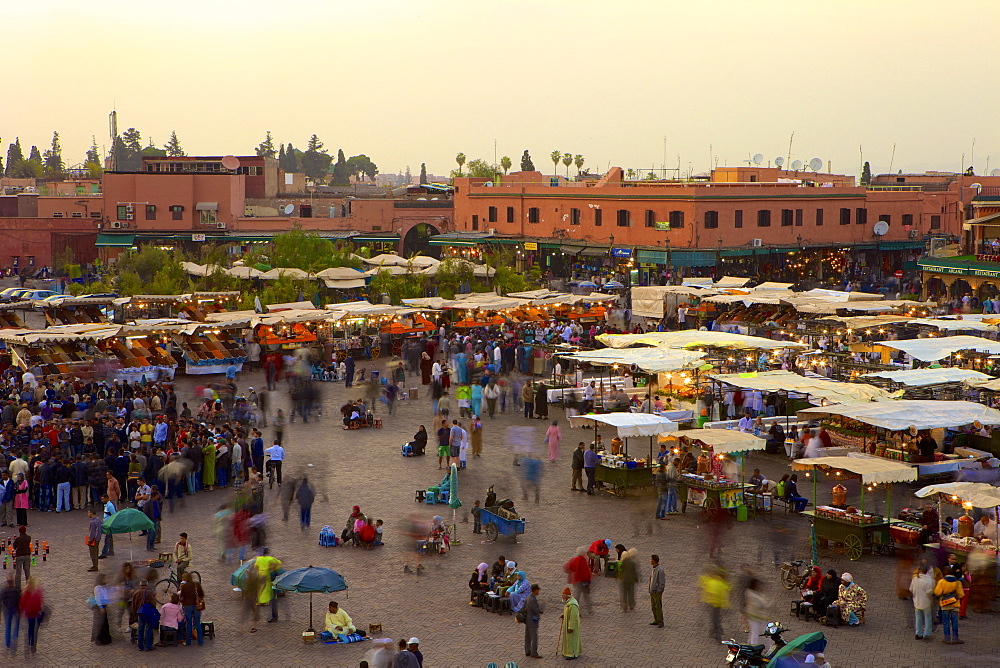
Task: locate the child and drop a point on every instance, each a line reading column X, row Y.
column 341, row 371
column 477, row 511
column 378, row 532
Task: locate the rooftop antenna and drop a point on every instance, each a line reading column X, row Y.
column 892, row 158
column 972, row 160
column 758, row 158
column 816, row 164
column 779, row 161
column 796, row 165
column 790, row 139
column 113, row 127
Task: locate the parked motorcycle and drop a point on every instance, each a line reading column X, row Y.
column 746, row 656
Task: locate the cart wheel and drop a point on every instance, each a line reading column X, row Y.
column 886, row 546
column 708, row 509
column 491, row 531
column 852, row 547
column 621, row 489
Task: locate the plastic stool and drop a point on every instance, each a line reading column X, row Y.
column 420, row 495
column 208, row 629
column 444, row 496
column 168, row 636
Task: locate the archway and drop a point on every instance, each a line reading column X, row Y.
column 417, row 241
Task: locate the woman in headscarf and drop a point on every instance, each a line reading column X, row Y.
column 507, row 579
column 419, row 442
column 519, row 591
column 21, row 500
column 479, row 582
column 827, row 594
column 852, row 600
column 425, row 368
column 348, row 532
column 476, row 401
column 476, row 436
column 628, row 576
column 552, row 437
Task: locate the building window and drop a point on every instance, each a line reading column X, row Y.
column 907, row 219
column 150, row 212
column 574, row 216
column 885, row 218
column 786, row 217
column 819, row 217
column 624, row 218
column 533, row 214
column 676, row 220
column 492, row 215
column 598, row 217
column 935, row 222
column 208, row 217
column 475, row 223
column 860, row 216
column 738, row 218
column 95, row 214
column 650, row 218
column 711, row 220
column 122, row 211
column 177, row 212
column 845, row 216
column 798, row 218
column 510, row 214
column 763, row 218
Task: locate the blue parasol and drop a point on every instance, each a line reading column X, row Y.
column 311, row 580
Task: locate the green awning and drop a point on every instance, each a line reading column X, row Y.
column 453, row 243
column 375, row 238
column 693, row 258
column 651, row 257
column 901, row 245
column 115, row 240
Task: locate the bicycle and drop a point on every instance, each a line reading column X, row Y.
column 791, row 578
column 269, row 470
column 170, row 585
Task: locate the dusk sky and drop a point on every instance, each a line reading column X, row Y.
column 412, row 82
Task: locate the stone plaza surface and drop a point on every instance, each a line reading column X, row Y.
column 364, row 468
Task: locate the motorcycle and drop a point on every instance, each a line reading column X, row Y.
column 746, row 656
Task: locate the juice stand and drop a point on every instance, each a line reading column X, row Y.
column 716, row 484
column 968, row 495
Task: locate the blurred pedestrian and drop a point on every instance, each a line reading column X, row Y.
column 715, row 595
column 553, row 437
column 101, row 632
column 10, row 600
column 32, row 606
column 628, row 576
column 305, row 496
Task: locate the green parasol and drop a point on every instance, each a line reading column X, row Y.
column 809, row 642
column 128, row 521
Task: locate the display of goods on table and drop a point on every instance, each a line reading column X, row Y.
column 851, row 515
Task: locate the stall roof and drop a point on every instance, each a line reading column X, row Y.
column 937, row 348
column 723, row 440
column 867, row 321
column 991, row 385
column 271, row 308
column 955, row 325
column 386, row 260
column 60, row 334
column 290, row 272
column 391, row 269
column 692, row 338
column 345, row 284
column 200, row 269
column 979, row 494
column 72, row 301
column 340, row 274
column 906, row 413
column 871, row 469
column 820, row 388
column 650, row 360
column 629, row 425
column 771, row 285
column 926, row 377
column 730, row 282
column 243, row 272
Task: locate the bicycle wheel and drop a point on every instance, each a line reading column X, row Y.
column 789, row 578
column 164, row 588
column 192, row 576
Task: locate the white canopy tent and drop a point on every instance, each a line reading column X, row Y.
column 955, row 325
column 821, row 388
column 649, row 360
column 730, row 282
column 871, row 469
column 340, row 274
column 243, row 272
column 904, row 413
column 722, row 441
column 290, row 272
column 937, row 348
column 386, row 260
column 979, row 494
column 927, row 377
column 629, row 425
column 692, row 338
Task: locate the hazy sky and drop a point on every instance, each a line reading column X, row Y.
column 412, row 82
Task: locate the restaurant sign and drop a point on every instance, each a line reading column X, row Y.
column 662, row 225
column 621, row 252
column 530, row 246
column 961, row 271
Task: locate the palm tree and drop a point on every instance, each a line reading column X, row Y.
column 555, row 157
column 630, row 173
column 578, row 161
column 567, row 160
column 505, row 164
column 460, row 159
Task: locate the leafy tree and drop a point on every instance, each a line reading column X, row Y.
column 505, row 164
column 315, row 160
column 127, row 151
column 526, row 164
column 555, row 157
column 145, row 262
column 578, row 161
column 133, row 140
column 866, row 174
column 53, row 157
column 14, row 158
column 266, row 147
column 173, row 146
column 93, row 154
column 407, row 176
column 506, row 279
column 423, row 173
column 460, row 159
column 479, row 168
column 128, row 283
column 35, row 154
column 301, row 249
column 361, row 165
column 452, row 273
column 403, row 286
column 291, row 159
column 567, row 160
column 281, row 157
column 33, row 166
column 341, row 170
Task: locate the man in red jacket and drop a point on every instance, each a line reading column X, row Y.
column 578, row 576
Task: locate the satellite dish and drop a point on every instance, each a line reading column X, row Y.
column 995, row 172
column 231, row 162
column 796, row 165
column 881, row 228
column 779, row 161
column 758, row 158
column 287, row 209
column 815, row 164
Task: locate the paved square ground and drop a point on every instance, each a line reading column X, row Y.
column 364, row 468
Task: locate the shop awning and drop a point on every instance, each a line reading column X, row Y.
column 206, row 206
column 651, row 257
column 594, row 252
column 988, row 219
column 871, row 469
column 723, row 441
column 115, row 240
column 979, row 494
column 693, row 258
column 693, row 339
column 649, row 360
column 955, row 325
column 927, row 377
column 572, row 250
column 375, row 238
column 343, row 284
column 820, row 388
column 937, row 348
column 629, row 425
column 906, row 413
column 456, row 241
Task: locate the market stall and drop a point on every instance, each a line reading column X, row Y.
column 64, row 349
column 719, row 480
column 210, row 348
column 854, row 530
column 617, row 470
column 143, row 350
column 968, row 495
column 75, row 310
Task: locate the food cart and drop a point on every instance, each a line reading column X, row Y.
column 968, row 495
column 717, row 487
column 617, row 470
column 853, row 530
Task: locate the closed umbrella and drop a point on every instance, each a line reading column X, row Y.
column 128, row 521
column 311, row 580
column 453, row 501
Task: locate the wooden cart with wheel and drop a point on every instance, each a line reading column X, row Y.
column 619, row 481
column 854, row 538
column 725, row 494
column 495, row 525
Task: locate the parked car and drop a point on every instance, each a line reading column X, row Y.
column 12, row 294
column 32, row 295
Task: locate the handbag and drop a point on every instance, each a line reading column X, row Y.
column 199, row 603
column 948, row 599
column 520, row 617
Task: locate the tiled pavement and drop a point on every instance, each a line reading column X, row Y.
column 364, row 468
